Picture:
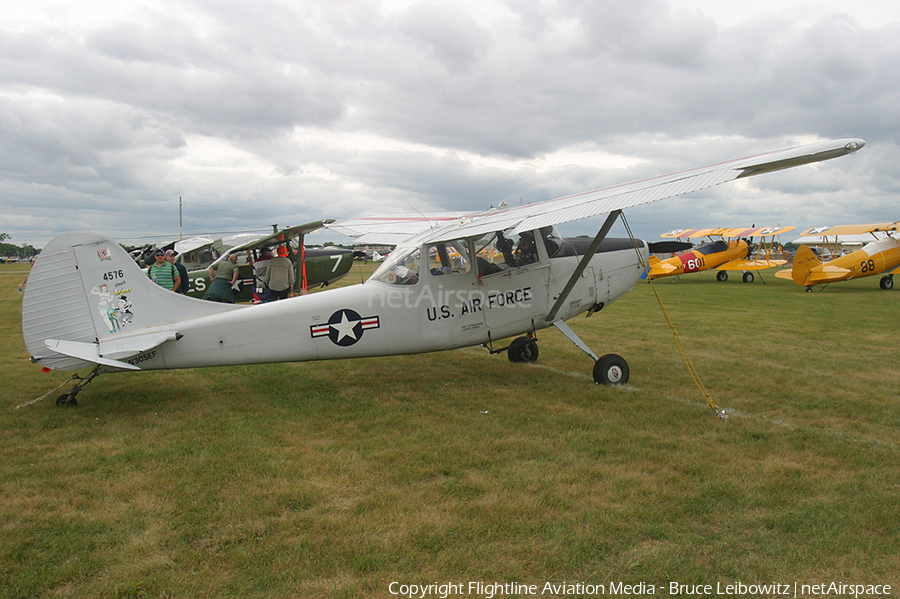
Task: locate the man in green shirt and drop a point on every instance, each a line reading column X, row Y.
column 163, row 273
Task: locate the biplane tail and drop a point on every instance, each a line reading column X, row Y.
column 804, row 261
column 88, row 303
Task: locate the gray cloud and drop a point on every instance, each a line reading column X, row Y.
column 267, row 112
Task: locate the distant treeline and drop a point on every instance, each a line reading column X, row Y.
column 9, row 250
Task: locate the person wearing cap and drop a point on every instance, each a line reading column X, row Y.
column 222, row 275
column 162, row 273
column 182, row 272
column 280, row 276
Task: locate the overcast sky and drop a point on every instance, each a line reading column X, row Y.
column 265, row 112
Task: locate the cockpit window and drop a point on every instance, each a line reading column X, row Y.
column 450, row 258
column 400, row 268
column 504, row 250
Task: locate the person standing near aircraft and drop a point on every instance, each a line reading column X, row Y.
column 162, row 273
column 259, row 273
column 280, row 276
column 223, row 275
column 185, row 284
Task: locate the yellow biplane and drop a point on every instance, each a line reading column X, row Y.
column 881, row 255
column 728, row 249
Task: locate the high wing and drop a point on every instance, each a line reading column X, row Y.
column 850, row 229
column 282, row 236
column 603, row 201
column 731, row 233
column 394, row 229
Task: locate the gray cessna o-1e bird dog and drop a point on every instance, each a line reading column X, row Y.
column 452, row 282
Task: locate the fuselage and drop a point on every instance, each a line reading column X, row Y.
column 874, row 258
column 438, row 311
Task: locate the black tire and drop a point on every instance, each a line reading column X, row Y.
column 748, row 277
column 611, row 369
column 66, row 400
column 523, row 349
column 887, row 282
column 721, row 276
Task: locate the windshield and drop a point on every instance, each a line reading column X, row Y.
column 400, row 268
column 712, row 248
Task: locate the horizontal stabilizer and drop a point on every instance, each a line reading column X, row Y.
column 124, row 347
column 832, row 272
column 785, row 274
column 89, row 352
column 110, row 353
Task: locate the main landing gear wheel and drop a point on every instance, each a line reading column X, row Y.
column 611, row 369
column 721, row 276
column 523, row 349
column 748, row 277
column 887, row 282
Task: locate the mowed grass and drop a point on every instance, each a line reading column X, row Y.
column 333, row 479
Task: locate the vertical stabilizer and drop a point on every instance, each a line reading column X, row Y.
column 85, row 288
column 804, row 260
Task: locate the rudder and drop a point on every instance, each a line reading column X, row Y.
column 804, row 260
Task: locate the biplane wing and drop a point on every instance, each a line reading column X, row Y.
column 750, row 264
column 726, row 232
column 831, row 231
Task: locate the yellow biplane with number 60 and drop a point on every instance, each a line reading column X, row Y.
column 728, row 249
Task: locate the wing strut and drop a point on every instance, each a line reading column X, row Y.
column 592, row 249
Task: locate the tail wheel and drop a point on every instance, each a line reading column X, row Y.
column 721, row 276
column 748, row 277
column 66, row 400
column 611, row 369
column 523, row 349
column 887, row 282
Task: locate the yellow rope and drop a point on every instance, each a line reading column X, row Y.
column 684, row 355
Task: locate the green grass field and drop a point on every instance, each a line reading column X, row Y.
column 335, row 479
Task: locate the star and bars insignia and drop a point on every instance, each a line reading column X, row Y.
column 345, row 327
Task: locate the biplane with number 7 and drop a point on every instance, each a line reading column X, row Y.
column 728, row 249
column 879, row 256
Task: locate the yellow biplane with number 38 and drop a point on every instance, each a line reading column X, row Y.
column 881, row 255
